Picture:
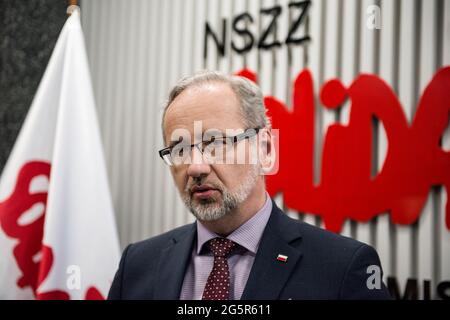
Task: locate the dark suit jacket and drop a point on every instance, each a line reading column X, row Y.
column 320, row 265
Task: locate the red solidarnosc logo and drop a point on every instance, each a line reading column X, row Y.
column 415, row 160
column 30, row 235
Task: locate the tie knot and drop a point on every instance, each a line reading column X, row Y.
column 221, row 247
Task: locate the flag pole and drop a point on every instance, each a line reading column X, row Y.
column 73, row 5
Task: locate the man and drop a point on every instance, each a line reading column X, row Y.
column 242, row 246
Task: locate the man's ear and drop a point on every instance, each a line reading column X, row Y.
column 266, row 151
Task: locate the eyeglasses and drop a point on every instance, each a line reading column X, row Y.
column 214, row 148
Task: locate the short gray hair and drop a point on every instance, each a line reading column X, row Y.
column 253, row 111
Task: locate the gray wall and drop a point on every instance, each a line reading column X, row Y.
column 138, row 48
column 28, row 33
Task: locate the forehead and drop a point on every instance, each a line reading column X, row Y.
column 214, row 104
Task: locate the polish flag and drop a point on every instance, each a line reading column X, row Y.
column 58, row 237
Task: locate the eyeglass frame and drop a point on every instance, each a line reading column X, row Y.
column 247, row 134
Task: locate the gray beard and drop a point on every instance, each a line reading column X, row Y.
column 211, row 210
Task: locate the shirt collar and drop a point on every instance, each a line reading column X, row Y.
column 248, row 235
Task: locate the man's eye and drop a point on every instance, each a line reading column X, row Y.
column 217, row 142
column 179, row 150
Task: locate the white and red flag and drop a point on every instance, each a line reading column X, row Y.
column 58, row 238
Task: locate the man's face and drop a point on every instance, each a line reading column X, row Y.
column 209, row 190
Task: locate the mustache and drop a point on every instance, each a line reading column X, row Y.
column 199, row 182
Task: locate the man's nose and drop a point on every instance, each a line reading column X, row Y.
column 198, row 165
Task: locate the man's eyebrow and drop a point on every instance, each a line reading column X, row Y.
column 175, row 142
column 208, row 132
column 214, row 132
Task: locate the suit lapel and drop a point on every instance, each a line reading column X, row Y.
column 268, row 275
column 173, row 265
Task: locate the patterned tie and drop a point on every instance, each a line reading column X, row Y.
column 218, row 284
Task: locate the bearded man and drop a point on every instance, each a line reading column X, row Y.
column 219, row 147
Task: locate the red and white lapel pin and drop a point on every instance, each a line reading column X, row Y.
column 282, row 258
